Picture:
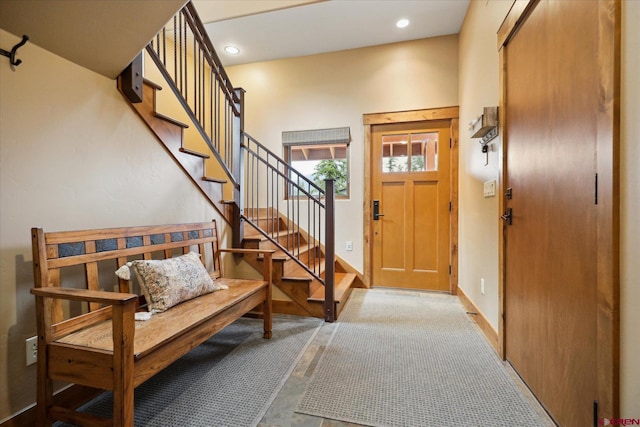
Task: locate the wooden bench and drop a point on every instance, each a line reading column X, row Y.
column 92, row 338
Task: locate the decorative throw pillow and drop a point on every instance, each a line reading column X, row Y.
column 168, row 282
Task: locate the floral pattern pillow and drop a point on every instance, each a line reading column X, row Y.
column 168, row 282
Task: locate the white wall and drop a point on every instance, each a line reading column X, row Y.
column 73, row 155
column 335, row 90
column 629, row 211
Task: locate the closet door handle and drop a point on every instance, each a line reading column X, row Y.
column 507, row 216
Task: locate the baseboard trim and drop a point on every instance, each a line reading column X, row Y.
column 490, row 334
column 69, row 397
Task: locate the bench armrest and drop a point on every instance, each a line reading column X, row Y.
column 102, row 297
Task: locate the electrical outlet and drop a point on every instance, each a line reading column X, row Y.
column 31, row 347
column 349, row 245
column 482, row 286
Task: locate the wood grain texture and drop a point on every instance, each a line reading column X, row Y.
column 411, row 116
column 608, row 232
column 453, row 231
column 369, row 120
column 489, row 332
column 105, row 348
column 515, row 17
column 502, row 188
column 560, row 90
column 411, row 247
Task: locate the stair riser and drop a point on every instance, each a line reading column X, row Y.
column 270, row 225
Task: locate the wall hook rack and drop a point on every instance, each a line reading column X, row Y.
column 12, row 55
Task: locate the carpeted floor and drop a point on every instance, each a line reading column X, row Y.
column 413, row 359
column 230, row 380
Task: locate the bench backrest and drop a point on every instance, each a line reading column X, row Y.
column 53, row 252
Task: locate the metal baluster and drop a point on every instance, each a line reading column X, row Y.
column 175, row 50
column 164, row 46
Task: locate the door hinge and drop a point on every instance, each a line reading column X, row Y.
column 596, row 189
column 450, row 206
column 449, row 269
column 450, row 142
column 595, row 413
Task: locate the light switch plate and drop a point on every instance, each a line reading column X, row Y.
column 490, row 188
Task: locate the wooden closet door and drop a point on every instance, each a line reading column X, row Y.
column 551, row 248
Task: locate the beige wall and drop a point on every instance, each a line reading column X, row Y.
column 73, row 155
column 478, row 78
column 630, row 208
column 336, row 89
column 479, row 87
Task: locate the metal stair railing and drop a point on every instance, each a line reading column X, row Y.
column 272, row 187
column 185, row 57
column 263, row 182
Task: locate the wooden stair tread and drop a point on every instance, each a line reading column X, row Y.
column 300, row 251
column 297, row 279
column 218, row 180
column 171, row 120
column 342, row 284
column 194, row 153
column 256, row 235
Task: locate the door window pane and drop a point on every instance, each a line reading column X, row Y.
column 424, row 152
column 421, row 157
column 394, row 153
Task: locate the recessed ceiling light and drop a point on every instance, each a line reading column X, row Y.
column 402, row 23
column 231, row 50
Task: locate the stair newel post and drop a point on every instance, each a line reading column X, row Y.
column 329, row 252
column 238, row 170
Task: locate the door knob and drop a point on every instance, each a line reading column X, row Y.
column 507, row 216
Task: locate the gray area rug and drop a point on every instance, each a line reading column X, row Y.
column 230, row 380
column 403, row 358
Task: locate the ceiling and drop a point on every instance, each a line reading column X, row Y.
column 103, row 36
column 272, row 29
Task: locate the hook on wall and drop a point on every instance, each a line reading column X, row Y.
column 12, row 55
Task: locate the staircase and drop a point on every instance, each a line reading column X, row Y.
column 247, row 183
column 171, row 133
column 305, row 293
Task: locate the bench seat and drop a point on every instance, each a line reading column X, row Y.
column 166, row 326
column 93, row 340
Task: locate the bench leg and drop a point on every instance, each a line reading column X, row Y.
column 44, row 401
column 123, row 335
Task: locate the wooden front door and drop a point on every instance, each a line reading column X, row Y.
column 551, row 244
column 410, row 205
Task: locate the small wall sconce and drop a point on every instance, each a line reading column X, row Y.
column 486, row 128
